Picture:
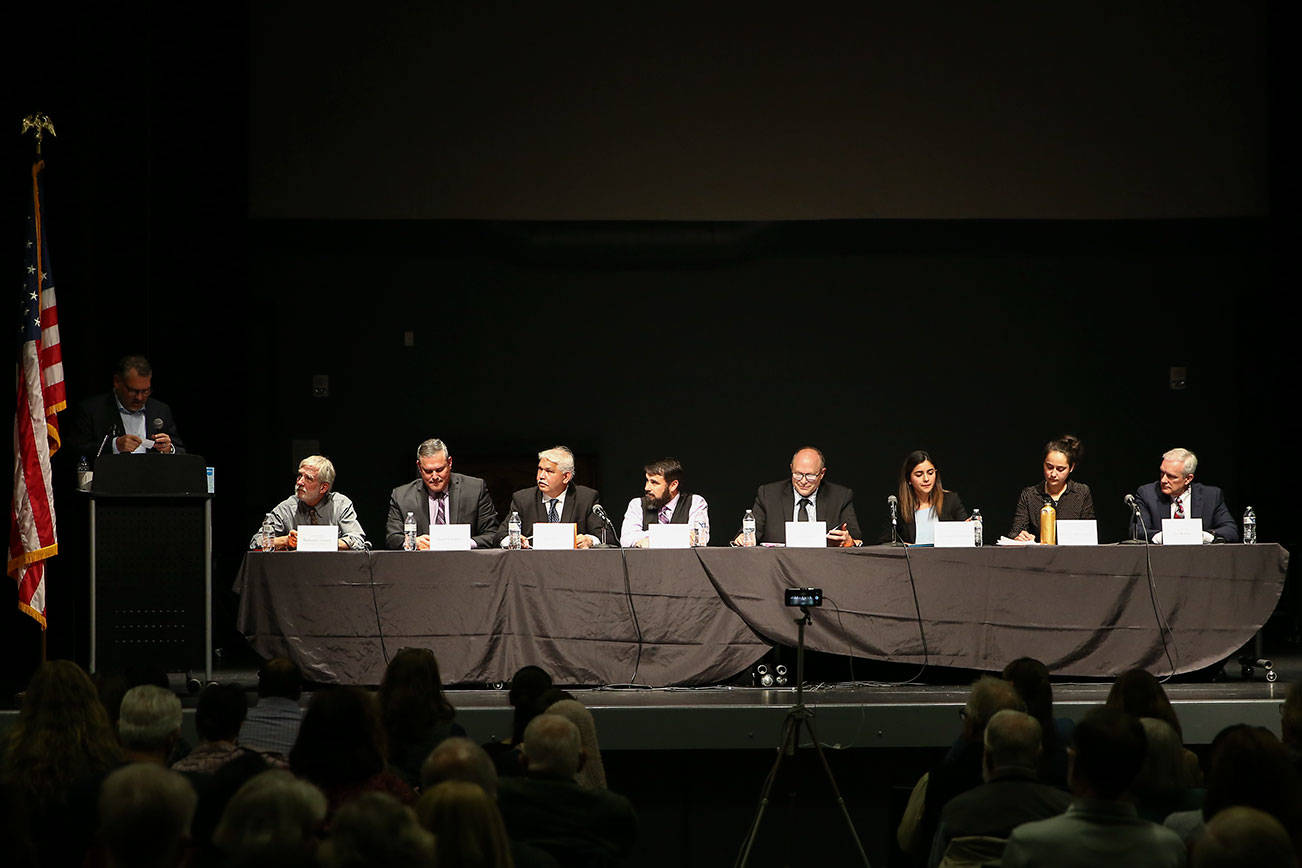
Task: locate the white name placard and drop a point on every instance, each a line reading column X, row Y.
column 669, row 536
column 449, row 537
column 547, row 536
column 1182, row 532
column 955, row 535
column 318, row 537
column 1078, row 532
column 806, row 534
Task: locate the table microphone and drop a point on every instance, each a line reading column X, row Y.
column 1130, row 502
column 894, row 503
column 600, row 513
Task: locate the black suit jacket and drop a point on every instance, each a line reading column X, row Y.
column 98, row 416
column 952, row 510
column 775, row 505
column 1205, row 502
column 470, row 504
column 579, row 500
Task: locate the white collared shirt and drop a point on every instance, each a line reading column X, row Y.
column 812, row 497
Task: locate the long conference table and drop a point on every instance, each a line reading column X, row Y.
column 699, row 616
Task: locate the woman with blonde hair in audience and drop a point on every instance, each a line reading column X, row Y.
column 593, row 774
column 467, row 826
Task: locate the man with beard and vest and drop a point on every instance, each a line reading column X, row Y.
column 666, row 501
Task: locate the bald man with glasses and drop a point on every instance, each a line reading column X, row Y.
column 805, row 496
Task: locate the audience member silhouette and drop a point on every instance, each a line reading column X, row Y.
column 1101, row 827
column 416, row 714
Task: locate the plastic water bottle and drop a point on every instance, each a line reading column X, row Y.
column 513, row 530
column 1249, row 526
column 977, row 531
column 268, row 533
column 748, row 529
column 409, row 533
column 699, row 531
column 84, row 474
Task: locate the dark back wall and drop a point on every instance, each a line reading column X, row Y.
column 729, row 344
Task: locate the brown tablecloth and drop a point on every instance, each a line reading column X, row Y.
column 706, row 614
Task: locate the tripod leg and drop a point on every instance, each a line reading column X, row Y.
column 836, row 791
column 790, row 737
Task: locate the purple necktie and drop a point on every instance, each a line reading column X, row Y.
column 664, row 515
column 439, row 517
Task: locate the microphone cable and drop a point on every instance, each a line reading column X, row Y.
column 1162, row 626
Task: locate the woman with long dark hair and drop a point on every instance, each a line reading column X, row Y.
column 416, row 714
column 341, row 748
column 923, row 500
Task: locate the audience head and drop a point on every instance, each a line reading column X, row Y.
column 1139, row 694
column 219, row 788
column 1030, row 678
column 375, row 830
column 1242, row 837
column 150, row 720
column 220, row 712
column 987, row 696
column 1250, row 766
column 527, row 686
column 593, row 773
column 341, row 740
column 61, row 736
column 411, row 695
column 273, row 818
column 1107, row 753
column 1012, row 742
column 459, row 759
column 467, row 826
column 144, row 816
column 1290, row 722
column 280, row 677
column 1163, row 771
column 552, row 747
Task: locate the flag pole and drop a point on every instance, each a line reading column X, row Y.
column 38, row 124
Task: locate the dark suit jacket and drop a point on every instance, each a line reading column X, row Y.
column 470, row 505
column 577, row 508
column 578, row 827
column 98, row 416
column 775, row 505
column 953, row 510
column 1206, row 502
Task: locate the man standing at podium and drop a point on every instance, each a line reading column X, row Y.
column 314, row 502
column 127, row 419
column 440, row 496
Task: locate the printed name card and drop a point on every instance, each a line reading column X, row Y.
column 318, row 538
column 1182, row 532
column 552, row 537
column 1078, row 532
column 955, row 535
column 669, row 536
column 449, row 537
column 806, row 534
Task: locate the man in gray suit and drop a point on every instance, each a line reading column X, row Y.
column 440, row 496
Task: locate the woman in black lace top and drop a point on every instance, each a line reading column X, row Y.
column 1070, row 499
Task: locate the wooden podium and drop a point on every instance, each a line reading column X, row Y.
column 151, row 564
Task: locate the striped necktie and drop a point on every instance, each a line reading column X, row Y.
column 552, row 515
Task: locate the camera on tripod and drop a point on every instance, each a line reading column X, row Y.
column 803, row 597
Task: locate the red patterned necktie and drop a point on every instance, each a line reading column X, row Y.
column 1179, row 508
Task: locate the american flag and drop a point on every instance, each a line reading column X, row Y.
column 40, row 396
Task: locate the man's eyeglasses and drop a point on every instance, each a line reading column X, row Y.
column 805, row 477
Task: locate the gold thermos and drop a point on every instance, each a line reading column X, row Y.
column 1048, row 524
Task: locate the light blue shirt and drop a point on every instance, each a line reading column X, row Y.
column 925, row 522
column 132, row 423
